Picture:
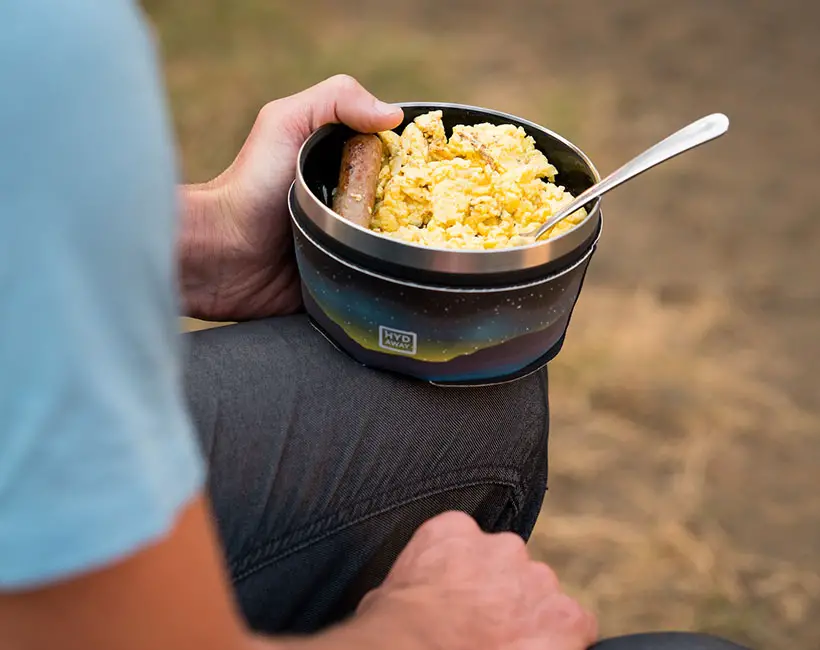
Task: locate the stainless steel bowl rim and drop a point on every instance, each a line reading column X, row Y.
column 440, row 288
column 445, row 260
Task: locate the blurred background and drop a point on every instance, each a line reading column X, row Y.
column 685, row 442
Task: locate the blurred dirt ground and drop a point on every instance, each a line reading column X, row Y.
column 685, row 447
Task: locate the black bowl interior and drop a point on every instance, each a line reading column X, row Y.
column 322, row 159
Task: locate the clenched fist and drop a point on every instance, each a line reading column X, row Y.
column 455, row 587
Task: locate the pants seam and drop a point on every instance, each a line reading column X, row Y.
column 316, row 531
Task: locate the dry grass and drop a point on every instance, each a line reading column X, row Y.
column 685, row 447
column 642, row 433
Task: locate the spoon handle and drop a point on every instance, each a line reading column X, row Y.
column 697, row 133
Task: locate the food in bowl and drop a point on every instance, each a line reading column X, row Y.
column 355, row 195
column 480, row 189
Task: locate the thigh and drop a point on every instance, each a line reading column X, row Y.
column 320, row 469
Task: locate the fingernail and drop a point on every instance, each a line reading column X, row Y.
column 387, row 109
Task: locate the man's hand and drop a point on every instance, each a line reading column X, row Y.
column 457, row 588
column 235, row 247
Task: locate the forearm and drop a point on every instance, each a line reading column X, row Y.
column 174, row 593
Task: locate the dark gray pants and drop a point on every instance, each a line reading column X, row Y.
column 321, row 470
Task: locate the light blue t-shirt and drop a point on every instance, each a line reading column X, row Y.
column 97, row 454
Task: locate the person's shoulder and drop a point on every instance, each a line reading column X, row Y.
column 68, row 42
column 84, row 102
column 41, row 27
column 50, row 49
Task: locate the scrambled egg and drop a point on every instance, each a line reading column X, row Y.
column 479, row 190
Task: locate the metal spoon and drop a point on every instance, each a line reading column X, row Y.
column 699, row 132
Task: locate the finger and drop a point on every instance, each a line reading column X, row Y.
column 366, row 601
column 587, row 628
column 572, row 626
column 544, row 579
column 435, row 544
column 448, row 524
column 508, row 545
column 343, row 99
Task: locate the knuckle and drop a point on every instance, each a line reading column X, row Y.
column 268, row 111
column 367, row 600
column 508, row 543
column 570, row 614
column 344, row 83
column 449, row 523
column 545, row 576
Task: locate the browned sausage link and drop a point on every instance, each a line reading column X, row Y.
column 358, row 178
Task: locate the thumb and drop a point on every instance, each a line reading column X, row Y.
column 343, row 99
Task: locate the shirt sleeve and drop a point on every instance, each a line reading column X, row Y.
column 97, row 454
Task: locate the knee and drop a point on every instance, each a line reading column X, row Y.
column 503, row 424
column 499, row 430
